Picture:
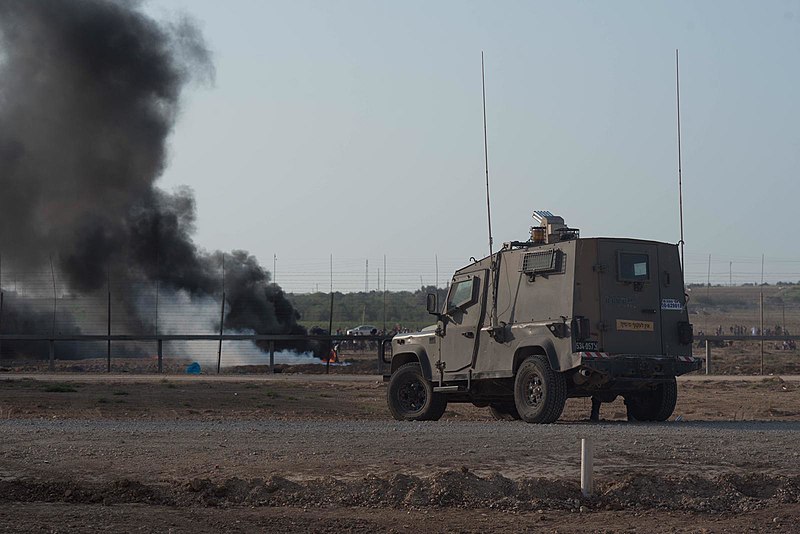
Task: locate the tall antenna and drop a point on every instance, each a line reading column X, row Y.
column 680, row 177
column 493, row 317
column 486, row 156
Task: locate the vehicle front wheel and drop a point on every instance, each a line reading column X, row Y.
column 410, row 396
column 656, row 404
column 539, row 392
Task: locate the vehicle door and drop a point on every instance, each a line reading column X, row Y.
column 630, row 307
column 464, row 318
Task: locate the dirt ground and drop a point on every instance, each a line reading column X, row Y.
column 338, row 397
column 316, row 453
column 744, row 358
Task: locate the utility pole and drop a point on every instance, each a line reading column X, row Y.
column 221, row 318
column 384, row 293
column 761, row 306
column 330, row 324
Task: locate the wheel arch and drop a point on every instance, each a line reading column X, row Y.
column 536, row 347
column 413, row 354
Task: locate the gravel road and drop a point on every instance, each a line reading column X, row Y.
column 300, row 454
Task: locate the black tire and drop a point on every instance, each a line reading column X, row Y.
column 539, row 392
column 411, row 398
column 504, row 411
column 656, row 404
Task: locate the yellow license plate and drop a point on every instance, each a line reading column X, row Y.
column 635, row 326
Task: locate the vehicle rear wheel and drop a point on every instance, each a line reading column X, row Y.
column 656, row 404
column 410, row 396
column 504, row 411
column 539, row 392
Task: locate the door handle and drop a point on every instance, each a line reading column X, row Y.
column 648, row 310
column 469, row 335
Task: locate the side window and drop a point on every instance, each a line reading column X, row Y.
column 462, row 294
column 633, row 267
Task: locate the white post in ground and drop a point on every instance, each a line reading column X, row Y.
column 587, row 466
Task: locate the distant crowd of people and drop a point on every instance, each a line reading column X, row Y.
column 741, row 330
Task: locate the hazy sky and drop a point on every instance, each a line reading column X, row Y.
column 355, row 129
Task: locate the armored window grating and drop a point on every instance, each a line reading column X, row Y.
column 545, row 261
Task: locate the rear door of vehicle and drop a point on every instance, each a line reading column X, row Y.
column 630, row 307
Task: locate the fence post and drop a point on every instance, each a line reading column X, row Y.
column 1, row 321
column 272, row 357
column 221, row 328
column 330, row 333
column 55, row 296
column 587, row 467
column 761, row 308
column 1, row 305
column 708, row 357
column 381, row 354
column 108, row 315
column 160, row 355
column 221, row 317
column 52, row 359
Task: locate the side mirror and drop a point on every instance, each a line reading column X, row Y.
column 580, row 327
column 432, row 304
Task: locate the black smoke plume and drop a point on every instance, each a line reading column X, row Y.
column 89, row 94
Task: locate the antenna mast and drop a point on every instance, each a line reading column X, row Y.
column 680, row 177
column 493, row 317
column 486, row 157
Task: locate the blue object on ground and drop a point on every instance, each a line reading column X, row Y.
column 193, row 369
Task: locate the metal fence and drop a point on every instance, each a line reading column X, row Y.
column 42, row 320
column 269, row 356
column 754, row 359
column 130, row 314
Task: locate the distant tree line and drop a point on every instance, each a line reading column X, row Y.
column 404, row 308
column 407, row 308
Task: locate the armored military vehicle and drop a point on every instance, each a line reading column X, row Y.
column 543, row 320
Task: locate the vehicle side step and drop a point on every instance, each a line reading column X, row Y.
column 444, row 389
